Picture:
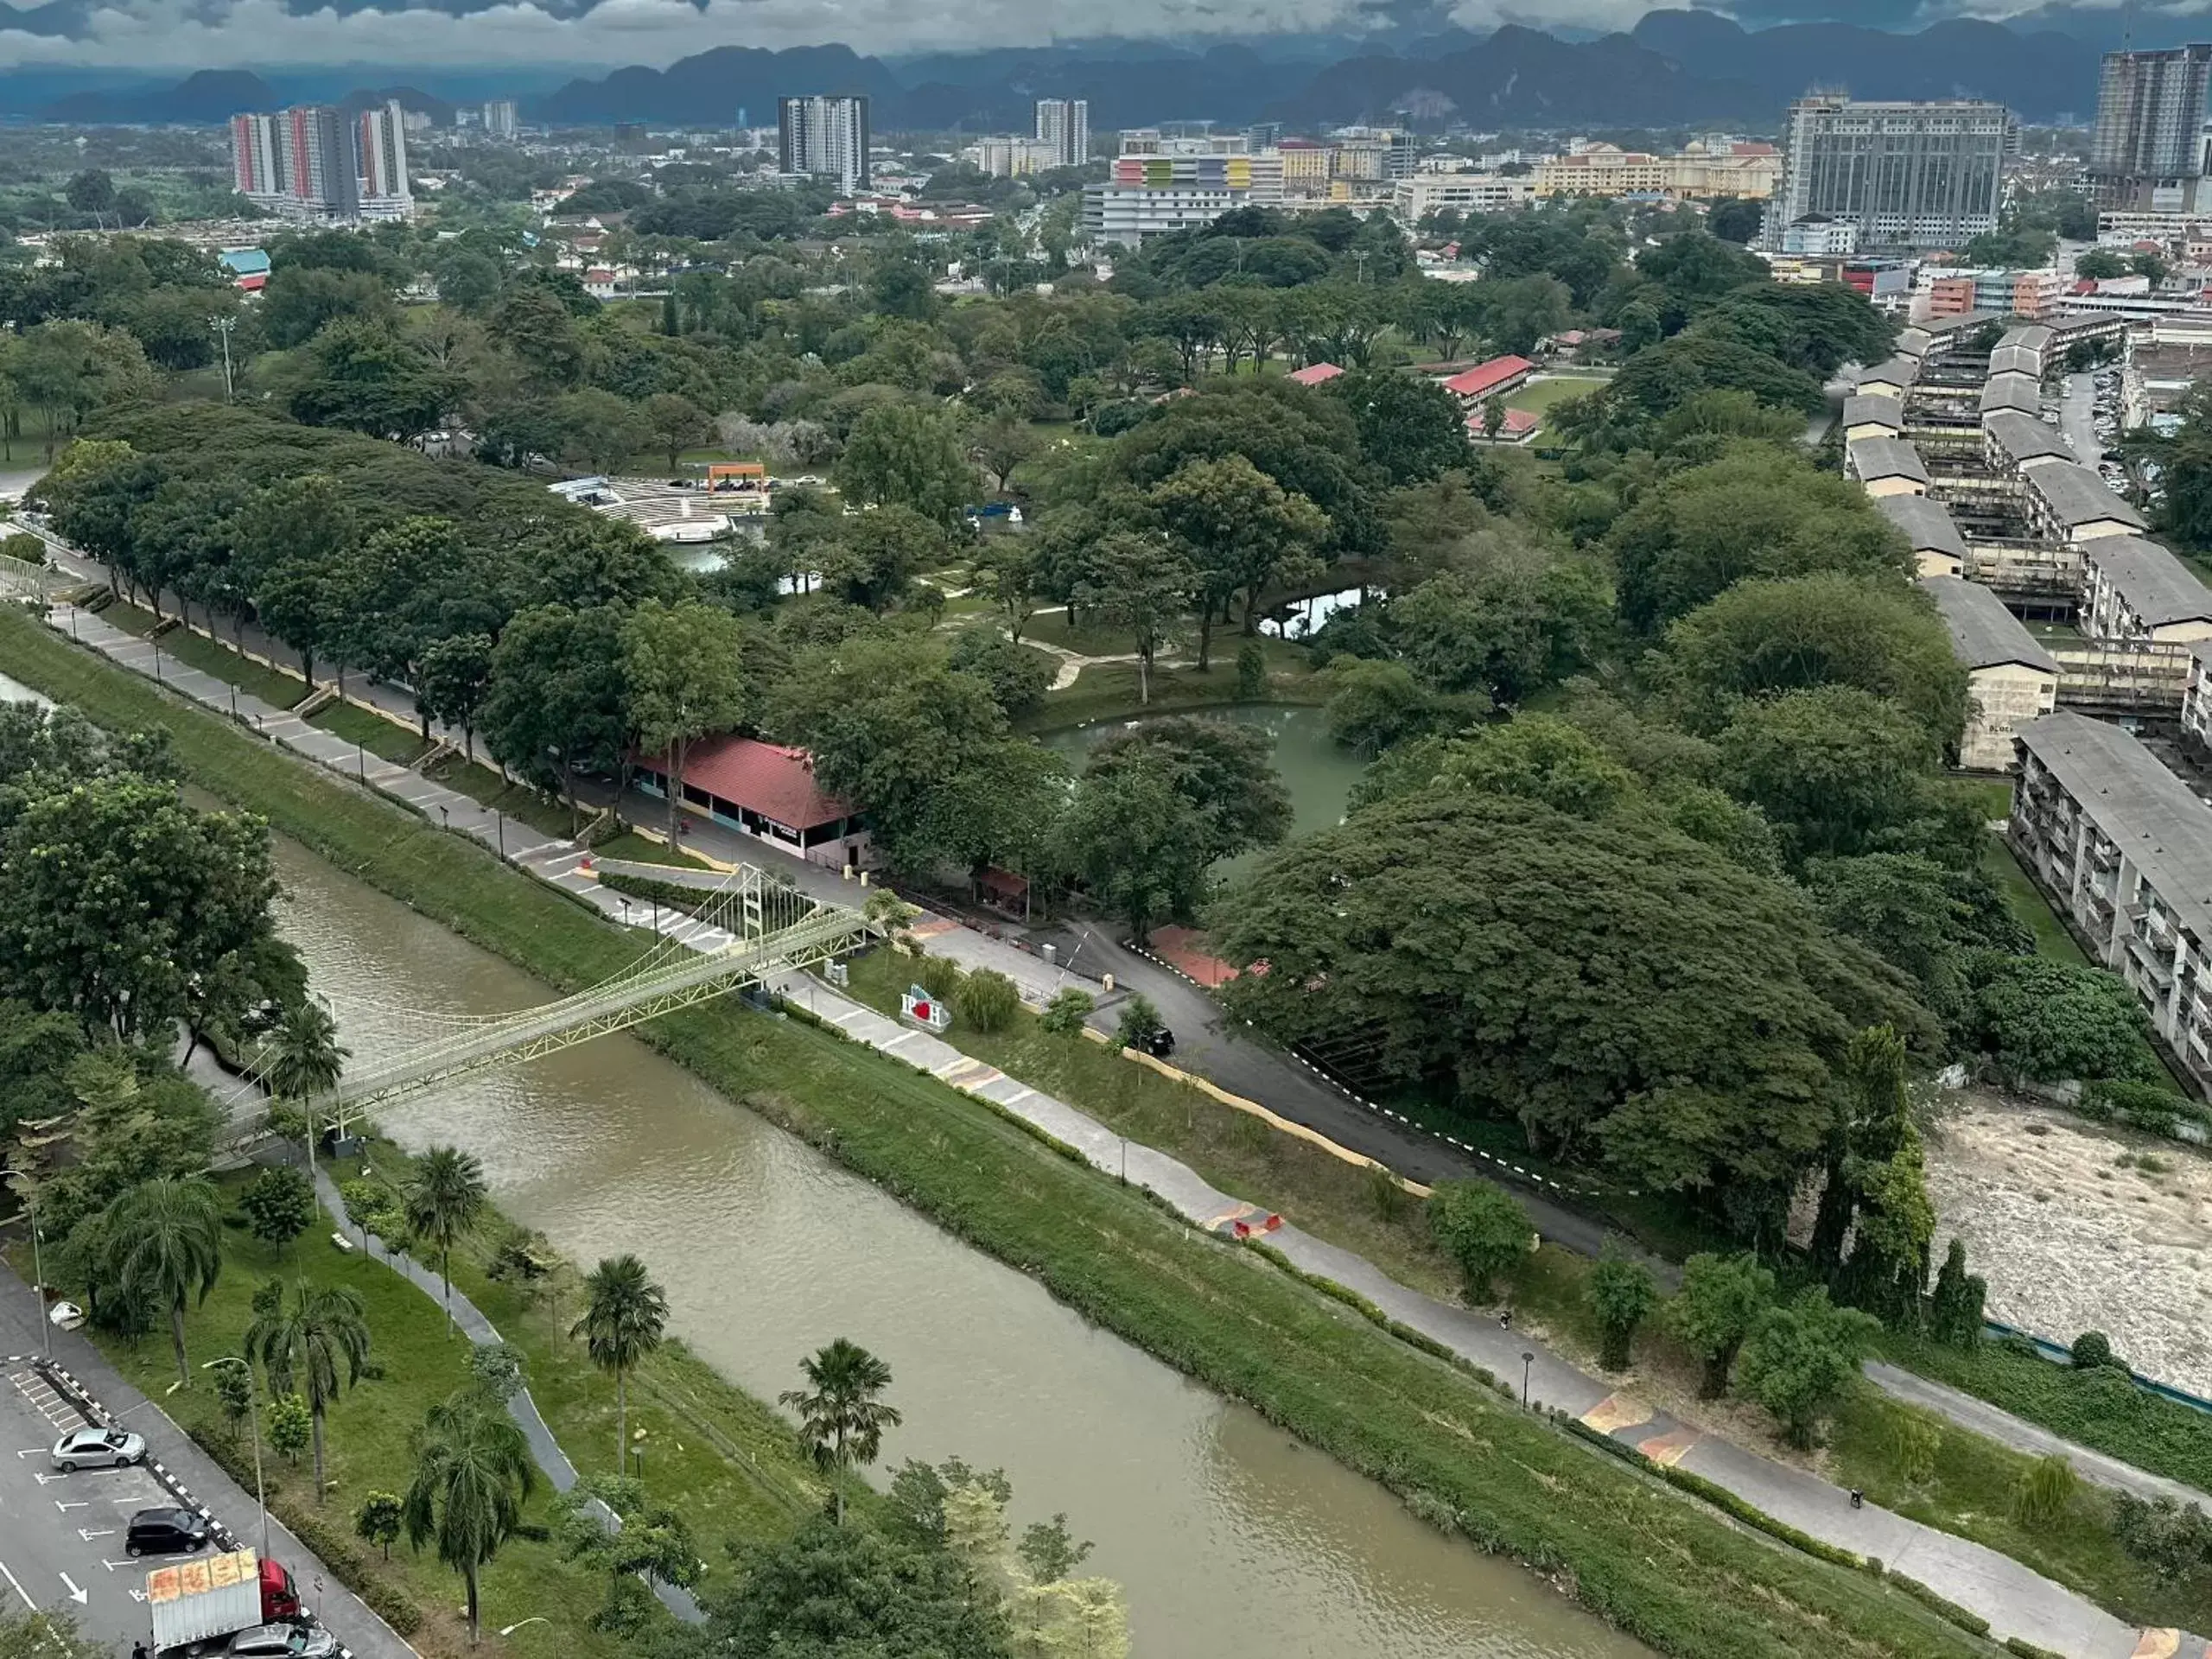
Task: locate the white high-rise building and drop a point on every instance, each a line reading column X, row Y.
column 826, row 136
column 1905, row 175
column 380, row 145
column 1065, row 124
column 499, row 118
column 316, row 162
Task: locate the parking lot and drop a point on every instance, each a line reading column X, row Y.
column 61, row 1535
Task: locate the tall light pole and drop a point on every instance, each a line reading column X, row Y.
column 27, row 1188
column 253, row 1411
column 223, row 326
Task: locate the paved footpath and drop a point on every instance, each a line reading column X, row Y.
column 2016, row 1600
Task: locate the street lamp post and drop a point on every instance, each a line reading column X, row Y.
column 500, row 829
column 223, row 326
column 29, row 1189
column 253, row 1411
column 1527, row 1360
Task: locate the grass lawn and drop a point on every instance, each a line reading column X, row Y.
column 2029, row 905
column 518, row 801
column 209, row 656
column 1664, row 1568
column 1538, row 396
column 636, row 847
column 380, row 736
column 1051, row 627
column 367, row 1433
column 1107, row 690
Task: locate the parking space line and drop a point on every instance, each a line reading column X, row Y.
column 18, row 1588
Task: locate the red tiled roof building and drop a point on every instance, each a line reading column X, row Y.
column 767, row 791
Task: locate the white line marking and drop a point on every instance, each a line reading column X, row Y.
column 76, row 1595
column 18, row 1588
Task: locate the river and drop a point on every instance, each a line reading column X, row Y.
column 1230, row 1535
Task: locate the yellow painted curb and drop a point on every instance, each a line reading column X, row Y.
column 1253, row 1108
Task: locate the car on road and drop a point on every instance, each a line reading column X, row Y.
column 98, row 1448
column 166, row 1532
column 281, row 1641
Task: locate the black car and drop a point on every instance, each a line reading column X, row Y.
column 1161, row 1043
column 165, row 1532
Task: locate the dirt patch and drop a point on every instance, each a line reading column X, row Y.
column 2079, row 1228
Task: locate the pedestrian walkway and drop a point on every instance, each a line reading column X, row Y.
column 2016, row 1600
column 544, row 1450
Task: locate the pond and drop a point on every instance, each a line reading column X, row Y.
column 1319, row 771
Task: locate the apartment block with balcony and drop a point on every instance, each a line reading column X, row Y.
column 2138, row 591
column 2124, row 849
column 2067, row 502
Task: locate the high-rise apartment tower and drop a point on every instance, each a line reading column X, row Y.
column 2148, row 151
column 1065, row 123
column 826, row 136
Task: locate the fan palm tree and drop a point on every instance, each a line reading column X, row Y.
column 443, row 1203
column 473, row 1475
column 624, row 1316
column 840, row 1420
column 167, row 1242
column 301, row 1342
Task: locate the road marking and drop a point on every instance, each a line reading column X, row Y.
column 31, row 1451
column 76, row 1595
column 66, row 1508
column 90, row 1533
column 18, row 1588
column 44, row 1479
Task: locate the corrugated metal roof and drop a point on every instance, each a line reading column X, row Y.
column 1983, row 633
column 2157, row 587
column 1926, row 523
column 2022, row 392
column 2024, row 439
column 2158, row 822
column 1862, row 407
column 1873, row 458
column 2077, row 496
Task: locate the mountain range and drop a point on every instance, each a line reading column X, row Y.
column 1674, row 68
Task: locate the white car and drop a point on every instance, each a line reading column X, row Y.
column 66, row 1316
column 98, row 1448
column 282, row 1641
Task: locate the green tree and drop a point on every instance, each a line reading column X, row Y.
column 443, row 1200
column 379, row 1520
column 1003, row 444
column 1721, row 1300
column 1142, row 585
column 1066, row 1014
column 1621, row 1295
column 1241, row 531
column 2055, row 1021
column 1140, row 1023
column 903, row 455
column 1482, row 1226
column 680, row 666
column 35, row 1635
column 625, row 1317
column 556, row 698
column 2046, row 1487
column 676, row 423
column 1766, row 636
column 1007, row 572
column 289, row 1425
column 1954, row 1313
column 473, row 1474
column 302, row 1340
column 654, row 1542
column 1137, row 843
column 278, row 1205
column 1617, row 987
column 169, row 1233
column 841, row 1414
column 1802, row 1357
column 1409, row 427
column 453, row 681
column 1833, row 767
column 1226, row 771
column 2172, row 1541
column 987, row 1000
column 828, row 1589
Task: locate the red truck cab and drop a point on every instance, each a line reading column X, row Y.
column 280, row 1595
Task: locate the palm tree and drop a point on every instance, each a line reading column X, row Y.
column 443, row 1203
column 304, row 1059
column 167, row 1240
column 840, row 1420
column 473, row 1474
column 301, row 1340
column 624, row 1316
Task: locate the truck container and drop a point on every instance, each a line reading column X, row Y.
column 197, row 1602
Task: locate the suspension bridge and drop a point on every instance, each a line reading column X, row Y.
column 749, row 931
column 22, row 580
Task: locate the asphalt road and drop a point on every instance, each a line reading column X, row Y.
column 73, row 1524
column 2077, row 419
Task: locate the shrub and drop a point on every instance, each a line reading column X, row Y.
column 939, row 976
column 2093, row 1348
column 2045, row 1489
column 1251, row 671
column 378, row 1521
column 1065, row 1015
column 278, row 1205
column 987, row 1000
column 1950, row 1610
column 1954, row 1313
column 1483, row 1228
column 2172, row 1542
column 497, row 1367
column 25, row 547
column 287, row 1423
column 1915, row 1442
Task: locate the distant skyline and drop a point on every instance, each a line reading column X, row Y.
column 157, row 36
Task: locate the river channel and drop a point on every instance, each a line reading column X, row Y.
column 1230, row 1535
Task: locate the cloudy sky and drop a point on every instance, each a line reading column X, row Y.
column 192, row 34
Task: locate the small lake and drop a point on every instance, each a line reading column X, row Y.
column 1316, row 771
